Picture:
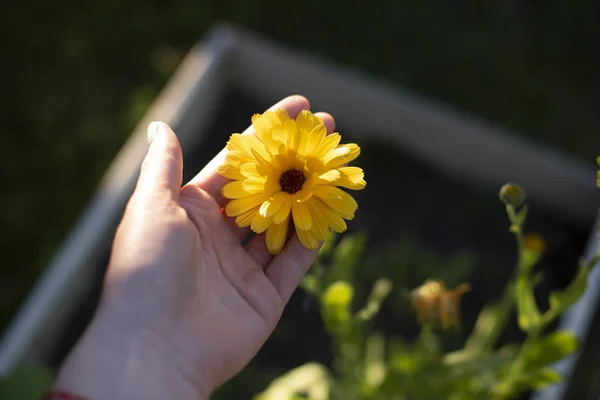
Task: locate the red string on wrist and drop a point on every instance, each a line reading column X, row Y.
column 61, row 395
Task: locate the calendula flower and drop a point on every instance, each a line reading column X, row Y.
column 436, row 305
column 292, row 170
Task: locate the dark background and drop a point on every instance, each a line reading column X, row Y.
column 76, row 78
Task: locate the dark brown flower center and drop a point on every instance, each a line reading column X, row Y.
column 291, row 181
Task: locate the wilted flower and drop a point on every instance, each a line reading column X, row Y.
column 511, row 194
column 290, row 169
column 436, row 305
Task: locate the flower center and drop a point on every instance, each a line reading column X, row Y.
column 291, row 181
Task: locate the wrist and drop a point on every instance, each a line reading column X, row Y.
column 117, row 359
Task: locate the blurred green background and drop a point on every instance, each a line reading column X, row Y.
column 76, row 77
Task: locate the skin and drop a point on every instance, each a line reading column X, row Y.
column 185, row 306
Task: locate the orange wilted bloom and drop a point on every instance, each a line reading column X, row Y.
column 435, row 304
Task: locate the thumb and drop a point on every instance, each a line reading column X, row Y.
column 162, row 168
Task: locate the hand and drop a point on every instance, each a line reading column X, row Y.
column 185, row 305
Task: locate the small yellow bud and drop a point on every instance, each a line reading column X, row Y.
column 511, row 194
column 535, row 242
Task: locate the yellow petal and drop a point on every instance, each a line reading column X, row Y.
column 315, row 138
column 301, row 215
column 276, row 235
column 245, row 219
column 327, row 145
column 329, row 177
column 262, row 127
column 290, row 128
column 284, row 211
column 341, row 155
column 307, row 239
column 269, row 165
column 352, row 178
column 337, row 199
column 234, row 190
column 320, row 227
column 332, row 217
column 230, row 172
column 250, row 170
column 240, row 206
column 251, row 143
column 271, row 206
column 260, row 223
column 254, row 185
column 306, row 121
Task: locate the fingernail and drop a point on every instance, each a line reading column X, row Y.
column 153, row 130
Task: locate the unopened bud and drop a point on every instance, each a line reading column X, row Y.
column 511, row 194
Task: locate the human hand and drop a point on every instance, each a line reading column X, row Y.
column 185, row 305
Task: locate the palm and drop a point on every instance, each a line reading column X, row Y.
column 231, row 296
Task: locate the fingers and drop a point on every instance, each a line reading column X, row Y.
column 256, row 246
column 162, row 168
column 289, row 267
column 211, row 181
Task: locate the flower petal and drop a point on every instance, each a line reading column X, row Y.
column 250, row 170
column 327, row 145
column 333, row 218
column 301, row 215
column 245, row 219
column 254, row 185
column 230, row 172
column 329, row 177
column 234, row 190
column 271, row 206
column 320, row 227
column 284, row 211
column 275, row 237
column 306, row 121
column 260, row 223
column 240, row 206
column 337, row 199
column 315, row 138
column 352, row 178
column 341, row 155
column 307, row 239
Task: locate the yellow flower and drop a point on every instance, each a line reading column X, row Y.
column 434, row 304
column 293, row 170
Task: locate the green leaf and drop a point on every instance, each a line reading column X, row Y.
column 336, row 304
column 28, row 382
column 328, row 245
column 381, row 289
column 542, row 378
column 345, row 257
column 562, row 300
column 401, row 355
column 490, row 324
column 529, row 316
column 375, row 366
column 309, row 284
column 549, row 349
column 312, row 379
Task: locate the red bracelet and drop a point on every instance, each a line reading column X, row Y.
column 61, row 395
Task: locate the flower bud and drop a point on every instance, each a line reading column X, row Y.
column 511, row 194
